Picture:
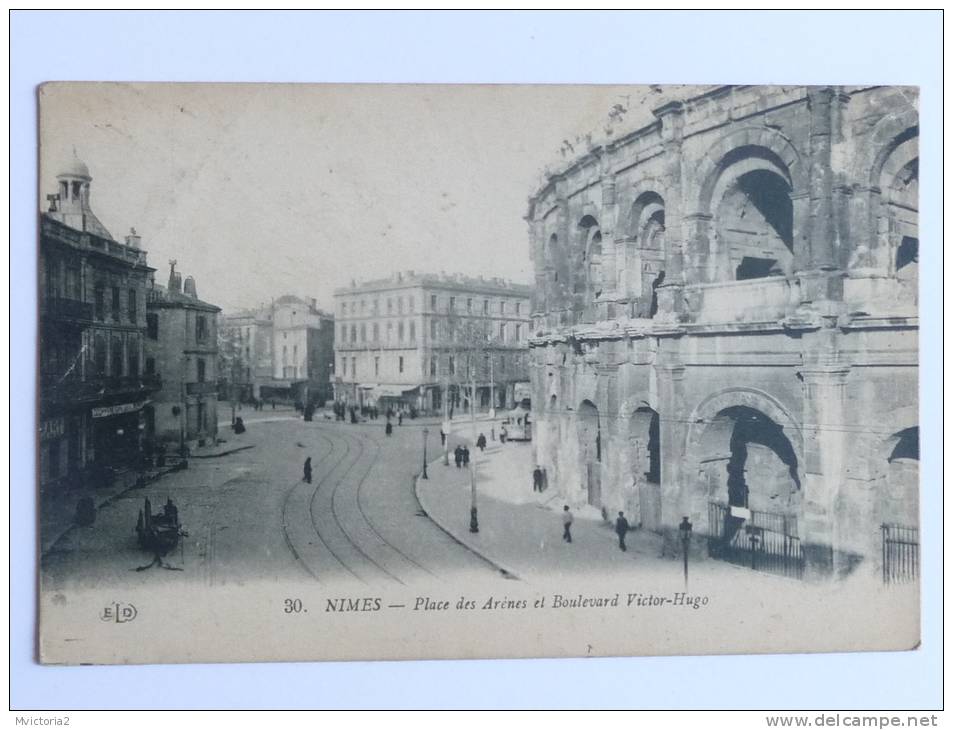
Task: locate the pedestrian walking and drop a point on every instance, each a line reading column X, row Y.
column 466, row 456
column 621, row 528
column 458, row 456
column 443, row 437
column 503, row 434
column 481, row 442
column 537, row 479
column 400, row 418
column 307, row 470
column 567, row 524
column 389, row 428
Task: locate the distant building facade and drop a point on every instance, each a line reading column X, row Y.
column 726, row 325
column 423, row 340
column 92, row 296
column 283, row 350
column 182, row 346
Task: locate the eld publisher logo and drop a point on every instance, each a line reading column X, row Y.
column 119, row 613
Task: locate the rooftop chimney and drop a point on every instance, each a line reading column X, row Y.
column 175, row 278
column 190, row 287
column 133, row 239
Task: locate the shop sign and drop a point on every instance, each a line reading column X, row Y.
column 106, row 411
column 52, row 428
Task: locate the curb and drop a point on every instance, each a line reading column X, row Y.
column 504, row 570
column 223, row 453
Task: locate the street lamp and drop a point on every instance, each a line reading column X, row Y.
column 685, row 531
column 474, row 523
column 424, row 473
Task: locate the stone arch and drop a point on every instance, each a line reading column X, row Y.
column 724, row 430
column 757, row 167
column 761, row 143
column 590, row 439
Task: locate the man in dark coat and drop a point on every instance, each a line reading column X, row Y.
column 307, row 470
column 458, row 455
column 400, row 418
column 466, row 456
column 481, row 442
column 621, row 528
column 537, row 479
column 567, row 524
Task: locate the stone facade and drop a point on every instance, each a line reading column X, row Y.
column 280, row 351
column 725, row 313
column 182, row 347
column 413, row 339
column 92, row 294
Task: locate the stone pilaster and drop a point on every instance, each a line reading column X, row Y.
column 672, row 117
column 824, row 430
column 820, row 181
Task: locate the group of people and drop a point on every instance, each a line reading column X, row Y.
column 621, row 527
column 461, row 456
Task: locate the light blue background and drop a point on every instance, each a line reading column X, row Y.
column 808, row 47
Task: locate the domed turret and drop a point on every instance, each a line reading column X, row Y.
column 72, row 206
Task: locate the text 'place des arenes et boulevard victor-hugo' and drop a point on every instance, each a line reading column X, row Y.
column 718, row 348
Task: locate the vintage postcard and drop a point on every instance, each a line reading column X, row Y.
column 417, row 371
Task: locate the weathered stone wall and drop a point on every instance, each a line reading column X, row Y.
column 725, row 311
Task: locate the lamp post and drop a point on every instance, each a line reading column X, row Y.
column 474, row 522
column 423, row 474
column 685, row 531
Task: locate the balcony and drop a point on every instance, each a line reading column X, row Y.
column 66, row 309
column 72, row 389
column 207, row 388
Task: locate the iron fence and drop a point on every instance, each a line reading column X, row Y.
column 901, row 553
column 766, row 541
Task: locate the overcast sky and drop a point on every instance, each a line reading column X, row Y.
column 262, row 190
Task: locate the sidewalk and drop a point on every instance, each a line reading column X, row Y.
column 57, row 510
column 521, row 530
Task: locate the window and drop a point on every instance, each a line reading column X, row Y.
column 99, row 355
column 362, row 306
column 152, row 326
column 116, row 356
column 486, row 306
column 354, row 366
column 400, row 364
column 400, row 305
column 294, row 355
column 353, row 333
column 502, row 307
column 469, row 306
column 133, row 358
column 400, row 331
column 451, row 365
column 343, row 333
column 433, row 329
column 284, row 358
column 517, row 309
column 376, row 306
column 377, row 366
column 413, row 332
column 201, row 328
column 377, row 332
column 150, row 366
column 519, row 332
column 452, row 305
column 390, row 332
column 200, row 370
column 503, row 331
column 410, row 304
column 363, row 332
column 433, row 302
column 133, row 308
column 115, row 308
column 433, row 366
column 390, row 306
column 343, row 366
column 100, row 298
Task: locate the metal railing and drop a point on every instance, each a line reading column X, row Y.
column 901, row 553
column 768, row 541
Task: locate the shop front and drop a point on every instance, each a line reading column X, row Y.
column 116, row 435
